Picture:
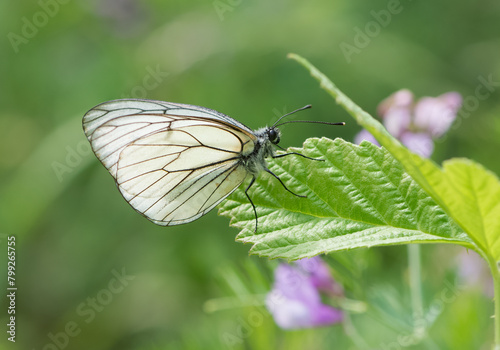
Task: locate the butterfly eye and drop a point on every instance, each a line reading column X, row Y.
column 274, row 136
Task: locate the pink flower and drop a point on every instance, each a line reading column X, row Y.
column 418, row 142
column 364, row 135
column 473, row 272
column 416, row 124
column 436, row 114
column 295, row 301
column 396, row 112
column 319, row 275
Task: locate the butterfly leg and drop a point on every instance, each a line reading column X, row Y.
column 281, row 182
column 297, row 154
column 253, row 205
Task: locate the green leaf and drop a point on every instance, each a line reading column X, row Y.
column 465, row 190
column 471, row 194
column 359, row 196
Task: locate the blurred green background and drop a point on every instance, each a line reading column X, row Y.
column 192, row 286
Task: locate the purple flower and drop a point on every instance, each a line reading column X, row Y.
column 418, row 142
column 295, row 301
column 365, row 135
column 473, row 272
column 436, row 114
column 319, row 275
column 395, row 110
column 416, row 124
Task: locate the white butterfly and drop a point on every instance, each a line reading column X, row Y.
column 175, row 162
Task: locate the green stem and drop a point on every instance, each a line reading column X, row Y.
column 496, row 282
column 414, row 266
column 362, row 118
column 353, row 334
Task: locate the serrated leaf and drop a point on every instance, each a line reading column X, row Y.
column 359, row 196
column 466, row 191
column 471, row 195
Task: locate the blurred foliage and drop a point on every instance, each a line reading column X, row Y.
column 75, row 232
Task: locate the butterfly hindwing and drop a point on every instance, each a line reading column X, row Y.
column 173, row 184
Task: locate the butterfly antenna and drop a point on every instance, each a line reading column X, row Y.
column 297, row 110
column 309, row 121
column 302, row 121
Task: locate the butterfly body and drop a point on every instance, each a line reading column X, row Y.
column 254, row 162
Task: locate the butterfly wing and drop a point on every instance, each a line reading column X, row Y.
column 172, row 162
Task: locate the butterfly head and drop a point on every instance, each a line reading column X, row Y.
column 273, row 135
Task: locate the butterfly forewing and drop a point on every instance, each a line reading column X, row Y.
column 173, row 163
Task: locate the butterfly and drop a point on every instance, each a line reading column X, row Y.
column 173, row 162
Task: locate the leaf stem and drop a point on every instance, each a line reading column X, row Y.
column 362, row 117
column 353, row 333
column 496, row 282
column 414, row 266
